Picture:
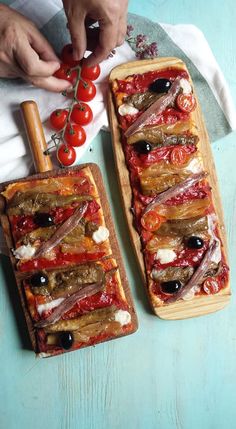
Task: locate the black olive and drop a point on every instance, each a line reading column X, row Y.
column 43, row 219
column 39, row 279
column 195, row 242
column 160, row 85
column 66, row 340
column 142, row 147
column 171, row 287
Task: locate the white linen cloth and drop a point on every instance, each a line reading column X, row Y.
column 15, row 159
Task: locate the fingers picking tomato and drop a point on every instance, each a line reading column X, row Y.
column 178, row 156
column 75, row 135
column 86, row 90
column 66, row 155
column 67, row 56
column 151, row 220
column 65, row 72
column 82, row 114
column 186, row 102
column 58, row 119
column 91, row 73
column 211, row 286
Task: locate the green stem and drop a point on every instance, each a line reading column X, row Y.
column 78, row 78
column 60, row 135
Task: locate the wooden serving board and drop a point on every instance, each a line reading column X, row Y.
column 202, row 304
column 43, row 164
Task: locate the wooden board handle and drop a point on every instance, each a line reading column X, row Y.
column 36, row 136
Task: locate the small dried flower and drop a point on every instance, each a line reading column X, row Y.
column 151, row 50
column 141, row 46
column 140, row 40
column 129, row 30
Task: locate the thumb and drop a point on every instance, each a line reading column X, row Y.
column 76, row 24
column 43, row 48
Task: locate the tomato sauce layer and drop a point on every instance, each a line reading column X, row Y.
column 140, row 82
column 23, row 224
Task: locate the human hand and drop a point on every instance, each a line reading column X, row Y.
column 25, row 53
column 111, row 16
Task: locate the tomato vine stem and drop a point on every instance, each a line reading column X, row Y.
column 58, row 138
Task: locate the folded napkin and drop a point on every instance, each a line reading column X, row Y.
column 183, row 41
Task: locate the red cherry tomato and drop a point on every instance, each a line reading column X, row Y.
column 58, row 119
column 186, row 102
column 86, row 90
column 178, row 156
column 75, row 135
column 67, row 56
column 211, row 286
column 65, row 73
column 91, row 73
column 66, row 155
column 151, row 220
column 82, row 114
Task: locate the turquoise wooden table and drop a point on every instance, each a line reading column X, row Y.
column 168, row 375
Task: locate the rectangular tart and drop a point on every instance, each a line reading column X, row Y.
column 66, row 259
column 165, row 166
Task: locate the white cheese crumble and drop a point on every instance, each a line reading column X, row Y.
column 43, row 355
column 24, row 252
column 216, row 257
column 100, row 235
column 185, row 85
column 123, row 317
column 165, row 255
column 194, row 166
column 127, row 109
column 190, row 294
column 154, row 274
column 49, row 305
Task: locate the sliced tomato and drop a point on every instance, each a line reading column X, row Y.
column 178, row 156
column 151, row 220
column 186, row 102
column 211, row 286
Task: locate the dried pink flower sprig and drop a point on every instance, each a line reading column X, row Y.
column 141, row 44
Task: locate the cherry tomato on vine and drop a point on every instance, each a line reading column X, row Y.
column 186, row 102
column 86, row 90
column 178, row 156
column 64, row 72
column 75, row 135
column 67, row 56
column 82, row 114
column 151, row 220
column 91, row 73
column 66, row 154
column 58, row 119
